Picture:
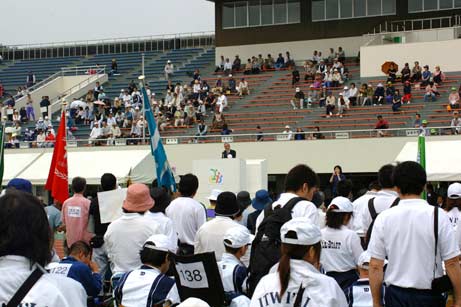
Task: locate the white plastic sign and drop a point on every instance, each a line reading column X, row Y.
column 192, row 275
column 110, row 204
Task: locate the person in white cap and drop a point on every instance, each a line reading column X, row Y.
column 359, row 294
column 298, row 98
column 453, row 202
column 148, row 285
column 298, row 278
column 233, row 271
column 288, row 132
column 341, row 247
column 169, row 69
column 222, row 103
column 212, row 199
column 193, row 302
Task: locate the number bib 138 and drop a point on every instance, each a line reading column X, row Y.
column 192, row 275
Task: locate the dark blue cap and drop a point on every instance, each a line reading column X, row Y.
column 261, row 199
column 20, row 185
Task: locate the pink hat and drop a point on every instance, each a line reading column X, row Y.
column 138, row 198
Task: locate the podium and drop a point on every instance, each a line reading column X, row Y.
column 233, row 175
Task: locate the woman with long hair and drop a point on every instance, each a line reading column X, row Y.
column 341, row 246
column 297, row 281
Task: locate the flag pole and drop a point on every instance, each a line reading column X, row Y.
column 2, row 153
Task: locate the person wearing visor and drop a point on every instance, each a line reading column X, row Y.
column 341, row 247
column 148, row 285
column 298, row 281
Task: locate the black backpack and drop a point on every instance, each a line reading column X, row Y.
column 265, row 249
column 374, row 215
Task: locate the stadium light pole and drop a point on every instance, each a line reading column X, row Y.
column 142, row 64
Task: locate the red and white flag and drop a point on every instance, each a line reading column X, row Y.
column 57, row 181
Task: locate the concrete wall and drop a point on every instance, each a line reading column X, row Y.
column 442, row 53
column 300, row 50
column 57, row 86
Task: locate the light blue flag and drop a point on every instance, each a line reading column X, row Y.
column 165, row 175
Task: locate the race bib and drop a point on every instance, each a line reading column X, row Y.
column 59, row 268
column 192, row 275
column 74, row 211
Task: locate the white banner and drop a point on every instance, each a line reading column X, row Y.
column 110, row 204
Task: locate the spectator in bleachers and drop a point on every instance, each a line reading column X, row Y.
column 255, row 67
column 299, row 135
column 396, row 101
column 406, row 73
column 438, row 76
column 453, row 99
column 353, row 94
column 280, row 63
column 309, row 70
column 169, row 70
column 416, row 72
column 315, row 57
column 455, row 123
column 295, row 77
column 102, row 96
column 289, row 61
column 431, row 92
column 237, row 63
column 202, row 130
column 95, row 133
column 23, row 114
column 260, row 61
column 50, row 139
column 179, row 117
column 322, row 96
column 16, row 116
column 317, row 135
column 363, row 94
column 114, row 67
column 379, row 94
column 381, row 125
column 343, row 104
column 330, row 104
column 226, row 130
column 341, row 55
column 248, row 68
column 30, row 108
column 328, row 79
column 298, row 98
column 336, row 79
column 89, row 96
column 243, row 87
column 221, row 103
column 219, row 86
column 390, row 92
column 41, row 138
column 2, row 90
column 232, row 85
column 227, row 67
column 220, row 67
column 269, row 62
column 105, row 130
column 417, row 122
column 392, row 73
column 287, row 131
column 30, row 79
column 406, row 92
column 97, row 89
column 426, row 76
column 423, row 130
column 259, row 134
column 1, row 60
column 218, row 120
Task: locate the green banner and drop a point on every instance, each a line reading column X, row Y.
column 2, row 155
column 422, row 156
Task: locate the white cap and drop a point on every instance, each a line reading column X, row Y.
column 193, row 302
column 343, row 204
column 237, row 237
column 168, row 61
column 306, row 232
column 364, row 260
column 214, row 194
column 346, row 88
column 287, row 127
column 454, row 191
column 230, row 76
column 159, row 242
column 380, row 85
column 137, row 108
column 340, row 94
column 298, row 89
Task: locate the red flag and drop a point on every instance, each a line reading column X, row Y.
column 57, row 181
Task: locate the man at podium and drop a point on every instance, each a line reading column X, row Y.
column 228, row 153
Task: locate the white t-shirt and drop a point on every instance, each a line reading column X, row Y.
column 454, row 216
column 359, row 204
column 321, row 290
column 405, row 235
column 50, row 290
column 382, row 201
column 301, row 209
column 210, row 236
column 124, row 239
column 165, row 224
column 187, row 215
column 341, row 249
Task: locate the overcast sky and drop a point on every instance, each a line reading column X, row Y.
column 45, row 21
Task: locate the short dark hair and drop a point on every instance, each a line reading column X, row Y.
column 231, row 250
column 80, row 247
column 188, row 185
column 78, row 184
column 162, row 199
column 153, row 257
column 334, row 219
column 410, row 178
column 374, row 185
column 344, row 188
column 340, row 168
column 386, row 177
column 24, row 228
column 299, row 175
column 108, row 182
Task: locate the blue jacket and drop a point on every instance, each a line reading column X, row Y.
column 82, row 273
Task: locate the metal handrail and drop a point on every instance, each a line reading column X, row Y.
column 395, row 132
column 387, row 26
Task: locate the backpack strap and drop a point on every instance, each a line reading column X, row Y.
column 372, row 209
column 396, row 202
column 292, row 203
column 25, row 288
column 299, row 296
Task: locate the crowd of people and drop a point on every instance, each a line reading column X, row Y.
column 299, row 249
